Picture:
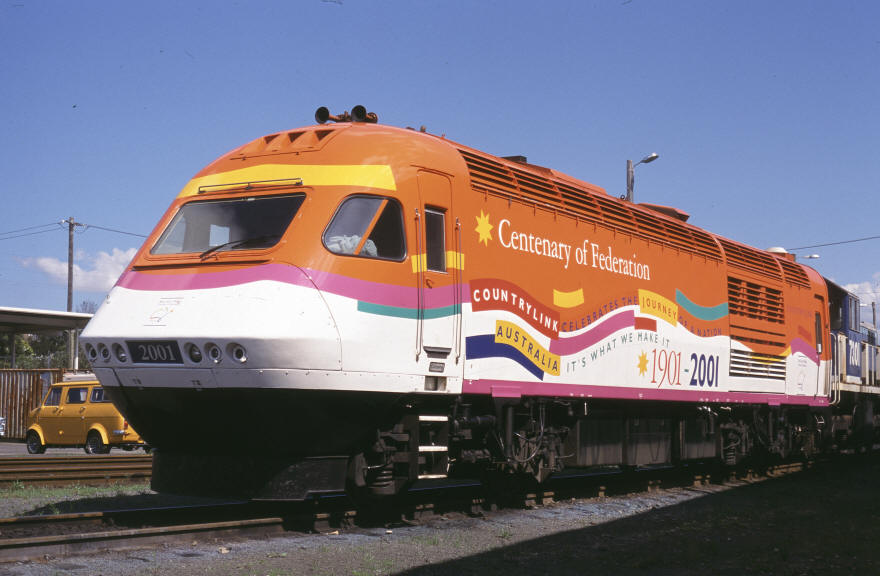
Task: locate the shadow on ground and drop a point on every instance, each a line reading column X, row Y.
column 134, row 501
column 822, row 521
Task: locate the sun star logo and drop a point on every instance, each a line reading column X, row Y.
column 484, row 229
column 643, row 364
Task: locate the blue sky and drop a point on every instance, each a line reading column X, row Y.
column 764, row 114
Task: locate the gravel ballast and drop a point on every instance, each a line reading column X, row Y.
column 821, row 521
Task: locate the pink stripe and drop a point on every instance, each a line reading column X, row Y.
column 798, row 345
column 566, row 346
column 374, row 292
column 510, row 389
column 205, row 280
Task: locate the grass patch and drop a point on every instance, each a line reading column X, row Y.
column 21, row 498
column 21, row 490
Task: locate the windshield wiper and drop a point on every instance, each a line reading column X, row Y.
column 237, row 243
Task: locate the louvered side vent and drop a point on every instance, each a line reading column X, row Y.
column 581, row 203
column 793, row 273
column 754, row 301
column 674, row 234
column 616, row 215
column 538, row 189
column 489, row 176
column 748, row 258
column 747, row 364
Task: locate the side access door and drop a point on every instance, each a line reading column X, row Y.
column 438, row 264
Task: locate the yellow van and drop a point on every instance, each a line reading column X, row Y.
column 77, row 413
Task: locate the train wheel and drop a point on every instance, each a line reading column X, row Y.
column 34, row 446
column 95, row 445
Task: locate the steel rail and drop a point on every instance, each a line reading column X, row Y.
column 47, row 470
column 89, row 532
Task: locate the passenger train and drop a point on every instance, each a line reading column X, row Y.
column 354, row 306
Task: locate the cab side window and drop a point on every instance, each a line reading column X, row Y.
column 435, row 239
column 53, row 398
column 98, row 395
column 367, row 226
column 77, row 395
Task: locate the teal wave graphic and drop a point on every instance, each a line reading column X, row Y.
column 411, row 313
column 707, row 313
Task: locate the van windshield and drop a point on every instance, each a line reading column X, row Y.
column 209, row 226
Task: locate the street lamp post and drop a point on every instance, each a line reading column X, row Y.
column 630, row 177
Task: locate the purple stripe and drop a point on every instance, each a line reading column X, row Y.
column 508, row 389
column 373, row 292
column 566, row 346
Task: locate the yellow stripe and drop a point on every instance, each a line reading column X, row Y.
column 568, row 299
column 512, row 335
column 658, row 306
column 370, row 176
column 453, row 260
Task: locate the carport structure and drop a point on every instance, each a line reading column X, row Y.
column 21, row 390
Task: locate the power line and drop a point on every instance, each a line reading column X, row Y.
column 112, row 230
column 835, row 243
column 30, row 234
column 55, row 226
column 29, row 228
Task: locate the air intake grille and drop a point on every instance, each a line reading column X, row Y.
column 793, row 273
column 489, row 176
column 755, row 301
column 746, row 364
column 750, row 259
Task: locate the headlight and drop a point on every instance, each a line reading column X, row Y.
column 194, row 353
column 214, row 353
column 120, row 353
column 238, row 352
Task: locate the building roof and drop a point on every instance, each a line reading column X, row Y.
column 30, row 321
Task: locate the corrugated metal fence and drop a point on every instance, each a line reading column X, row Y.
column 20, row 392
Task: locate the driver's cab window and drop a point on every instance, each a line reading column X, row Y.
column 367, row 226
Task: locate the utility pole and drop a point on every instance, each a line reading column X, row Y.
column 72, row 356
column 71, row 224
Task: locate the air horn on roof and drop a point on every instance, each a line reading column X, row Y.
column 358, row 114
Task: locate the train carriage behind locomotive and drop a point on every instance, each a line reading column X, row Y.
column 356, row 304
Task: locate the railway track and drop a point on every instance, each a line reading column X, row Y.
column 80, row 469
column 35, row 537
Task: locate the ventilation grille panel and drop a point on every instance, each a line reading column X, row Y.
column 746, row 364
column 490, row 176
column 755, row 301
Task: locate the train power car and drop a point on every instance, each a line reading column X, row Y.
column 355, row 306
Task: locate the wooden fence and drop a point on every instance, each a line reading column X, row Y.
column 20, row 392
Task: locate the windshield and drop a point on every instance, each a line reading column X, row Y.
column 210, row 226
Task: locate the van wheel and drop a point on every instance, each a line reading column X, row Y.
column 34, row 446
column 94, row 444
